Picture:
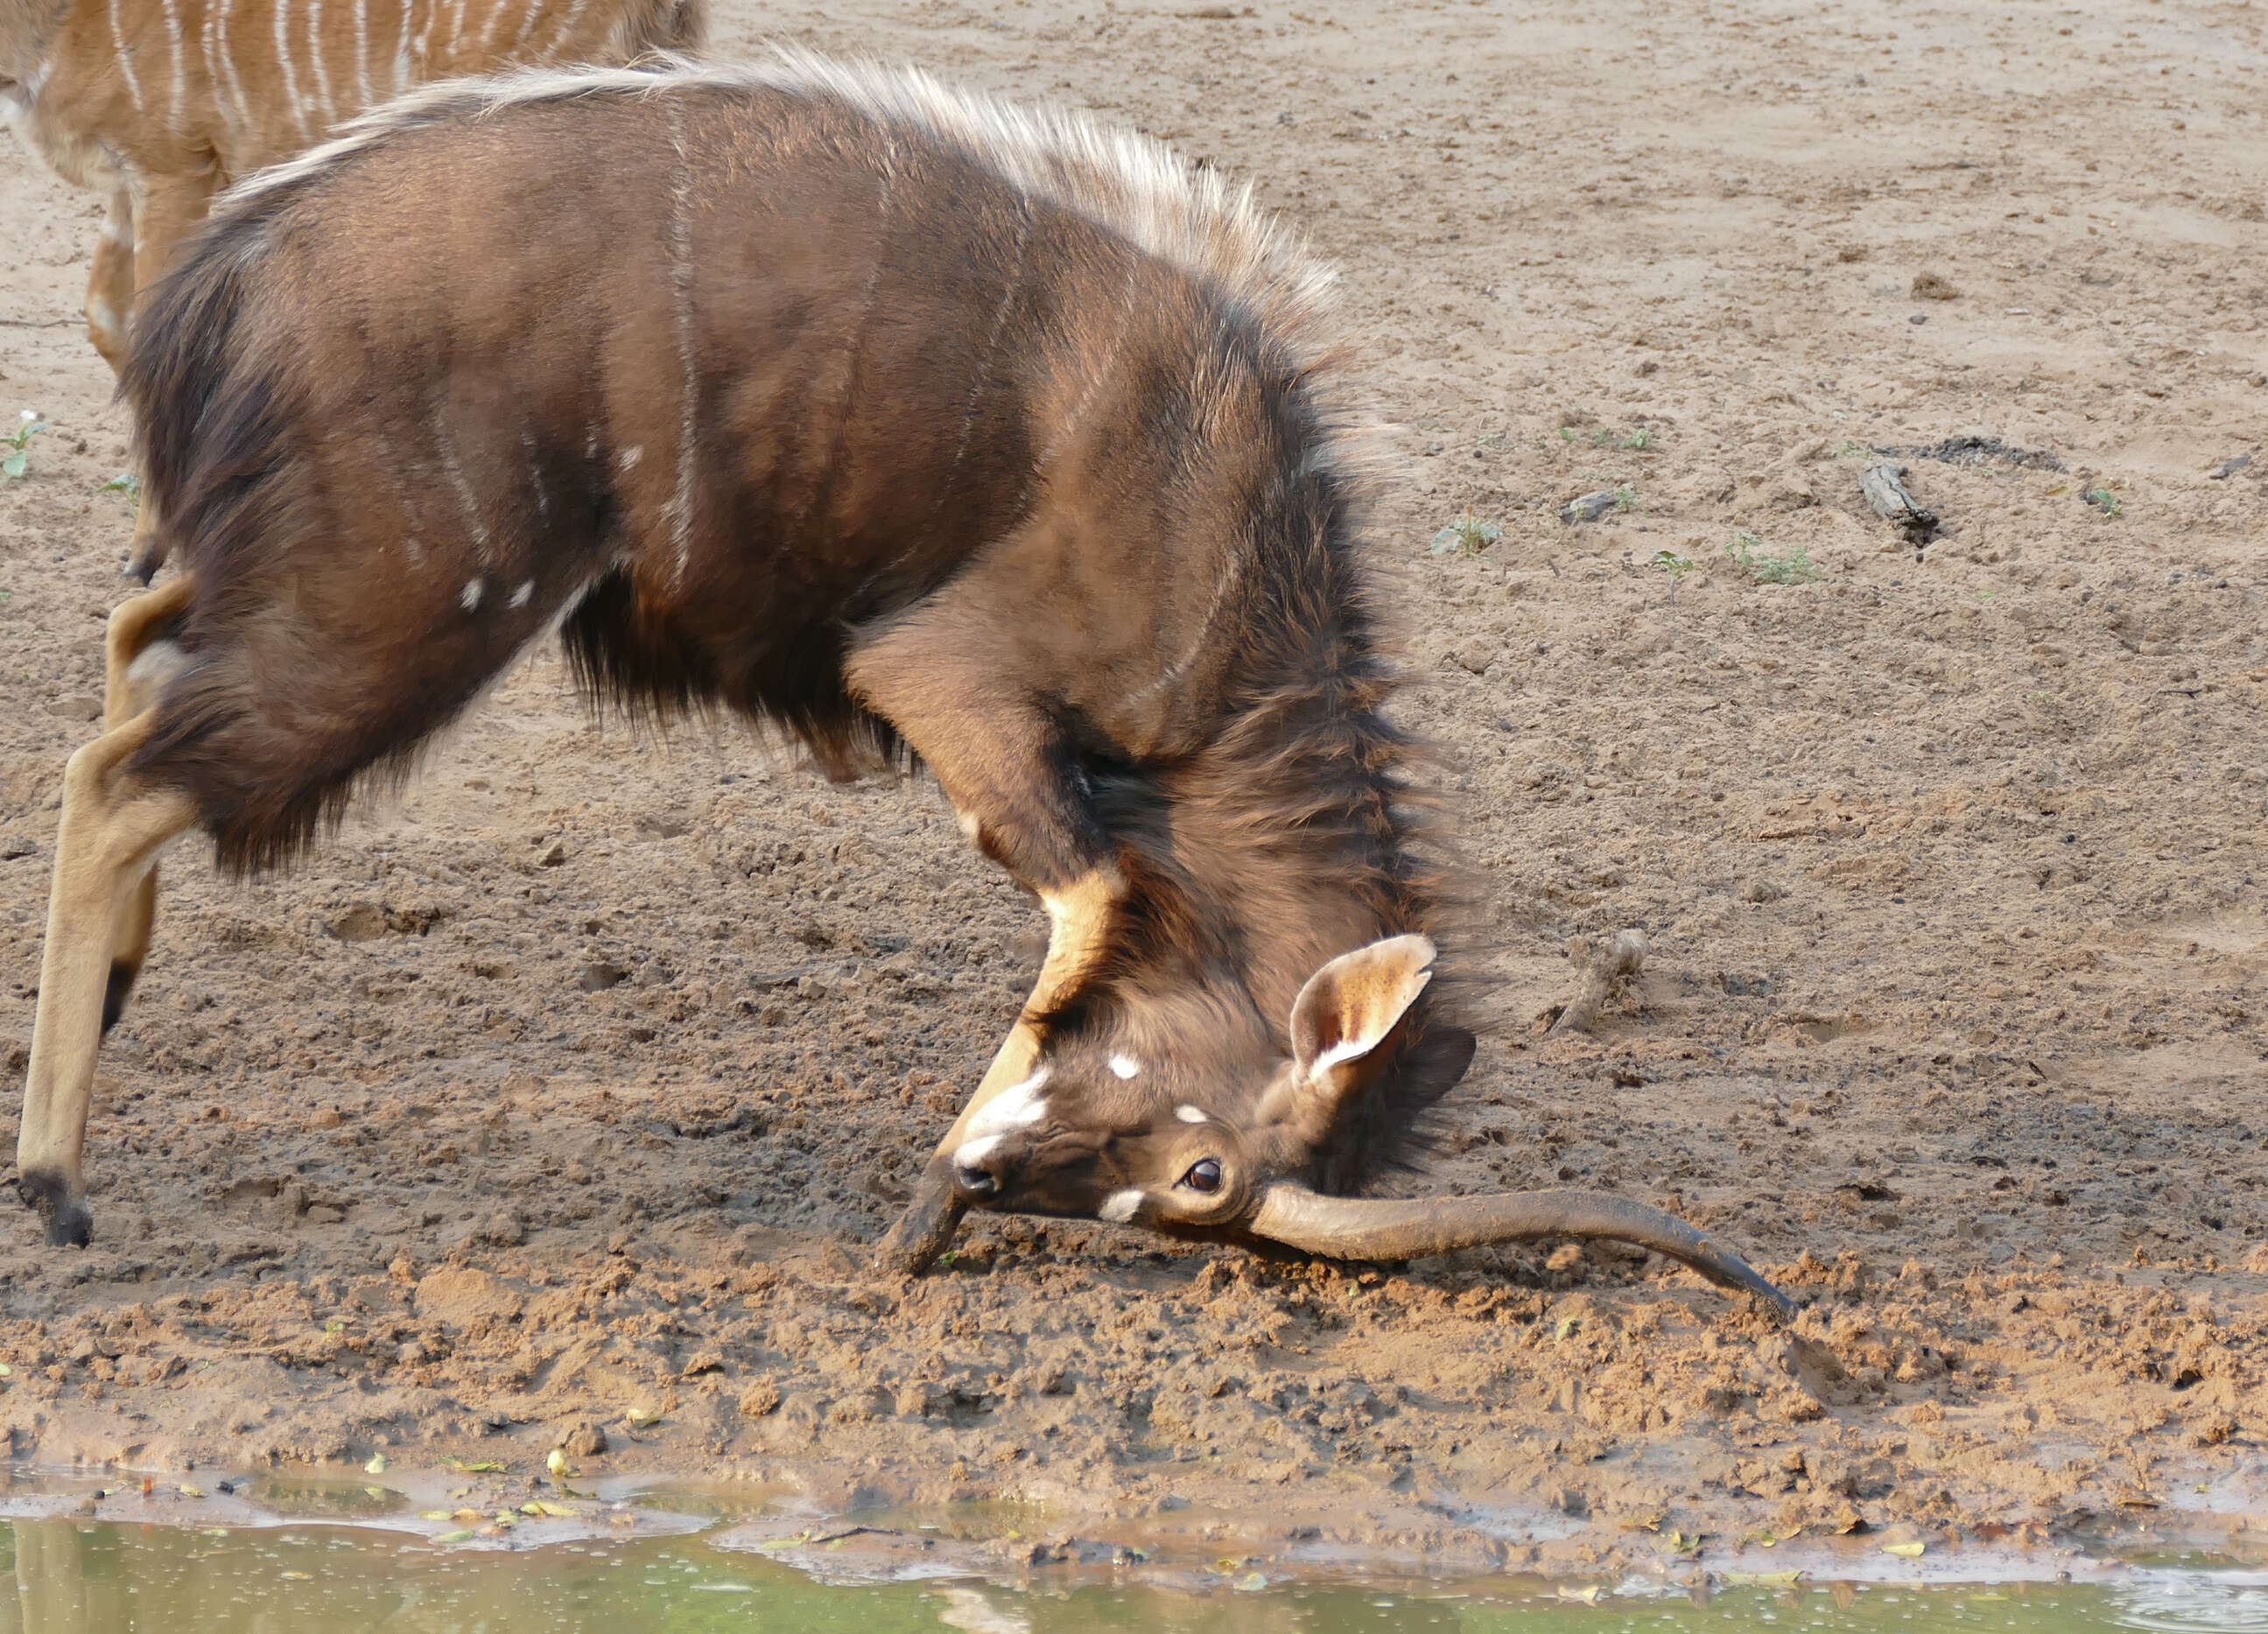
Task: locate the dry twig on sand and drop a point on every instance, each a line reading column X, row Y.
column 1602, row 973
column 1883, row 484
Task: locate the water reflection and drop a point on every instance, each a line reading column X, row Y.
column 82, row 1577
column 2190, row 1604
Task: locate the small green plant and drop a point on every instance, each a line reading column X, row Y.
column 1638, row 441
column 1795, row 568
column 1626, row 496
column 19, row 457
column 1676, row 566
column 2103, row 500
column 1566, row 433
column 1854, row 451
column 1468, row 535
column 128, row 487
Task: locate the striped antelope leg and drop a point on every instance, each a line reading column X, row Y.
column 111, row 829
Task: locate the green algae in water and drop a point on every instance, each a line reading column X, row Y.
column 72, row 1577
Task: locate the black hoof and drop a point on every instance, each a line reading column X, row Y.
column 69, row 1223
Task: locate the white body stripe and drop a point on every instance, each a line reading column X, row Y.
column 284, row 67
column 681, row 328
column 1130, row 184
column 125, row 56
column 362, row 51
column 566, row 29
column 180, row 67
column 214, row 76
column 322, row 74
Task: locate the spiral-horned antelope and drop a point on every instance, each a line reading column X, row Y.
column 901, row 420
column 160, row 104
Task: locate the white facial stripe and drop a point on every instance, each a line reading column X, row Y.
column 1017, row 1106
column 1125, row 1066
column 1190, row 1115
column 973, row 1152
column 1120, row 1206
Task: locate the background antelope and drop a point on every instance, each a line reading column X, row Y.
column 159, row 104
column 897, row 418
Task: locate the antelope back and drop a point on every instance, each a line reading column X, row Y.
column 156, row 85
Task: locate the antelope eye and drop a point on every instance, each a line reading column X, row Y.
column 1203, row 1175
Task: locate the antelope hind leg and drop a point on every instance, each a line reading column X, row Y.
column 111, row 829
column 126, row 695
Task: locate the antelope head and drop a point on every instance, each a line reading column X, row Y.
column 1170, row 1112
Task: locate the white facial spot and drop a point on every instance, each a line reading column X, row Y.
column 1125, row 1066
column 471, row 598
column 526, row 589
column 1120, row 1206
column 973, row 1152
column 1017, row 1106
column 1190, row 1115
column 630, row 457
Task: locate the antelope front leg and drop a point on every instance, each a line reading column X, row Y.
column 110, row 282
column 1004, row 764
column 111, row 830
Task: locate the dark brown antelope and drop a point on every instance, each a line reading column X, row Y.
column 903, row 420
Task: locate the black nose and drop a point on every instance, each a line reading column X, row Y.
column 976, row 1182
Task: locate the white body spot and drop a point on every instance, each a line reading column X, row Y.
column 630, row 457
column 1120, row 1206
column 471, row 598
column 526, row 589
column 1191, row 1115
column 1125, row 1066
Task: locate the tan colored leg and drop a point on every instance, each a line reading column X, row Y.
column 132, row 623
column 1079, row 918
column 110, row 282
column 111, row 830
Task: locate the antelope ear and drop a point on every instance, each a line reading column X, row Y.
column 1352, row 1006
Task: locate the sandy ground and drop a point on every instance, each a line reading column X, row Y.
column 571, row 1086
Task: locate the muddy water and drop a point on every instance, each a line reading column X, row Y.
column 74, row 1577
